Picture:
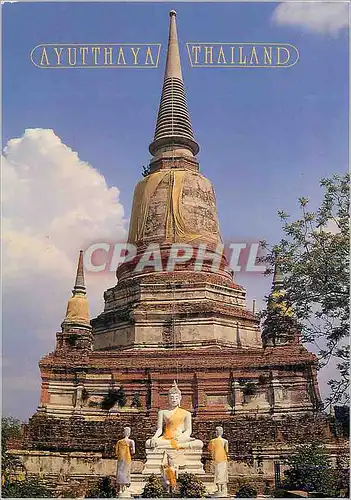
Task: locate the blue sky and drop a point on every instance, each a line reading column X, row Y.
column 266, row 135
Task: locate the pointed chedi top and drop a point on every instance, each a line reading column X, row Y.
column 77, row 314
column 79, row 286
column 173, row 67
column 173, row 127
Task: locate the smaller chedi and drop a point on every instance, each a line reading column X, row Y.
column 124, row 450
column 172, row 441
column 218, row 447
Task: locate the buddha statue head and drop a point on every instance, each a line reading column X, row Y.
column 174, row 395
column 126, row 431
column 219, row 431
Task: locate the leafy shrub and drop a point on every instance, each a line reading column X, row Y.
column 249, row 389
column 112, row 397
column 136, row 403
column 246, row 491
column 341, row 476
column 11, row 465
column 103, row 489
column 28, row 488
column 310, row 470
column 72, row 339
column 153, row 488
column 190, row 486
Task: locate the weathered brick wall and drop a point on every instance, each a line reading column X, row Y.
column 77, row 434
column 243, row 433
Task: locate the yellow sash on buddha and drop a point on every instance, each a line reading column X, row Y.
column 173, row 422
column 216, row 447
column 122, row 451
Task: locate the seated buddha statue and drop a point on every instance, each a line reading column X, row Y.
column 174, row 426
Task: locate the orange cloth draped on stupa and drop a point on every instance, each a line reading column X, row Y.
column 175, row 227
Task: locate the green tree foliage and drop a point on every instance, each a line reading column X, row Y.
column 153, row 488
column 313, row 257
column 190, row 486
column 246, row 491
column 310, row 470
column 103, row 489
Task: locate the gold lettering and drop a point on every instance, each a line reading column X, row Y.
column 96, row 53
column 241, row 60
column 121, row 56
column 108, row 54
column 208, row 52
column 149, row 54
column 233, row 53
column 221, row 54
column 69, row 56
column 135, row 54
column 44, row 56
column 83, row 52
column 267, row 55
column 254, row 55
column 196, row 51
column 278, row 55
column 58, row 54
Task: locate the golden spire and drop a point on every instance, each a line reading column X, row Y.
column 277, row 296
column 77, row 314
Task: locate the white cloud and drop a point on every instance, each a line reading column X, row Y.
column 53, row 204
column 320, row 17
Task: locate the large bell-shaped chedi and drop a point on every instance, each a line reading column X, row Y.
column 191, row 301
column 174, row 203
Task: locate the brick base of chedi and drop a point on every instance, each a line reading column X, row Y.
column 182, row 324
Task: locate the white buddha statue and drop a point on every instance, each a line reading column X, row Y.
column 174, row 426
column 218, row 447
column 124, row 450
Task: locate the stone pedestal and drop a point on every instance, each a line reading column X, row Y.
column 124, row 494
column 187, row 461
column 220, row 494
